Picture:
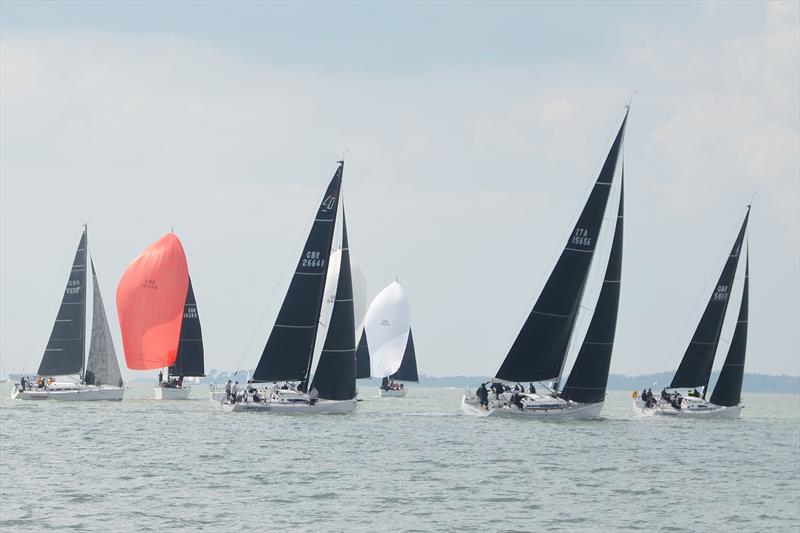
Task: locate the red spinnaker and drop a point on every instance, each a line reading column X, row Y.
column 150, row 300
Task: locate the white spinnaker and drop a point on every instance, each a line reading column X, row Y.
column 387, row 324
column 331, row 283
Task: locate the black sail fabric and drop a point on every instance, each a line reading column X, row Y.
column 695, row 368
column 335, row 377
column 728, row 390
column 589, row 377
column 363, row 369
column 408, row 366
column 66, row 348
column 189, row 361
column 102, row 367
column 290, row 347
column 541, row 346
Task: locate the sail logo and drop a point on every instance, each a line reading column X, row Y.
column 73, row 287
column 721, row 294
column 386, row 323
column 150, row 284
column 581, row 238
column 328, row 203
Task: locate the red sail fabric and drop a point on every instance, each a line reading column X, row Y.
column 150, row 300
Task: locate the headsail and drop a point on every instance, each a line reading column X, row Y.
column 728, row 390
column 335, row 378
column 589, row 376
column 362, row 356
column 387, row 324
column 66, row 348
column 102, row 367
column 408, row 367
column 695, row 368
column 290, row 347
column 189, row 361
column 541, row 346
column 150, row 302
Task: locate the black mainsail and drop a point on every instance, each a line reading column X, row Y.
column 335, row 377
column 290, row 347
column 66, row 347
column 728, row 390
column 539, row 351
column 363, row 369
column 189, row 361
column 408, row 366
column 695, row 368
column 589, row 376
column 102, row 367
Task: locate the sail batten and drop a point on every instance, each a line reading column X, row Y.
column 335, row 377
column 288, row 353
column 102, row 367
column 540, row 348
column 65, row 350
column 698, row 360
column 589, row 376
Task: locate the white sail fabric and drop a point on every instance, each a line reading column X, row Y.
column 102, row 367
column 359, row 293
column 331, row 283
column 387, row 323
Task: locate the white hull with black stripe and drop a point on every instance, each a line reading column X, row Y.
column 534, row 406
column 690, row 408
column 83, row 393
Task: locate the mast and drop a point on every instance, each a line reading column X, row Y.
column 290, row 347
column 589, row 377
column 728, row 390
column 66, row 347
column 539, row 351
column 335, row 377
column 189, row 361
column 697, row 362
column 102, row 367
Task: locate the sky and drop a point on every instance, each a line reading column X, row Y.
column 471, row 133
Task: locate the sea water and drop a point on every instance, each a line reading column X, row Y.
column 410, row 464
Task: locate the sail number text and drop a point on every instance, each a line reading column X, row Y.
column 190, row 312
column 721, row 294
column 73, row 287
column 313, row 259
column 581, row 237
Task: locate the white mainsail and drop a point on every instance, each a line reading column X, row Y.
column 387, row 323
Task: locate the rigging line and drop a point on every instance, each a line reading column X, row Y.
column 47, row 309
column 300, row 243
column 573, row 220
column 703, row 296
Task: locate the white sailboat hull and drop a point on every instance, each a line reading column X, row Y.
column 392, row 393
column 82, row 393
column 534, row 407
column 291, row 408
column 690, row 408
column 172, row 393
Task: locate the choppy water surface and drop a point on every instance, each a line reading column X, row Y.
column 413, row 464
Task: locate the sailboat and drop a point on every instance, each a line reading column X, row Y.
column 287, row 360
column 158, row 316
column 540, row 349
column 698, row 360
column 62, row 374
column 386, row 345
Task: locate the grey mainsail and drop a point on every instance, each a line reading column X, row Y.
column 65, row 349
column 102, row 367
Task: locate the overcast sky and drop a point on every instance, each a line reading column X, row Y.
column 472, row 132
